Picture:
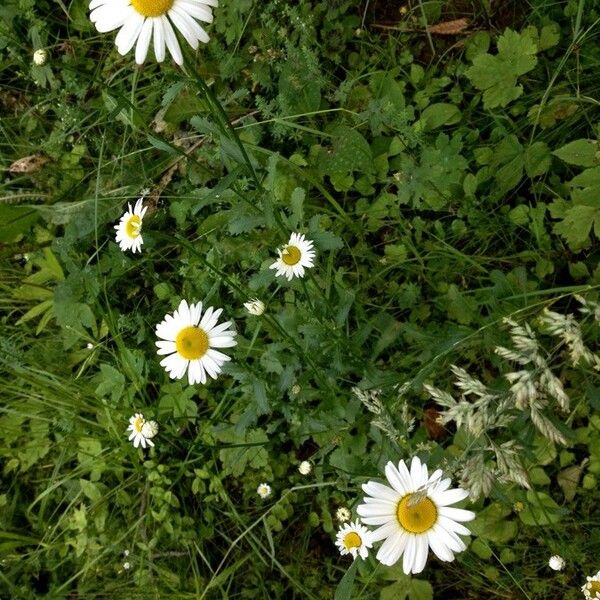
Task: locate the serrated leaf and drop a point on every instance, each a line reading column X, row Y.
column 497, row 75
column 580, row 152
column 577, row 224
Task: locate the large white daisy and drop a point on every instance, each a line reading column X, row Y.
column 355, row 539
column 129, row 228
column 190, row 342
column 294, row 257
column 141, row 20
column 415, row 515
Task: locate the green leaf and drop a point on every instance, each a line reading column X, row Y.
column 346, row 584
column 580, row 152
column 537, row 159
column 577, row 224
column 497, row 75
column 441, row 113
column 540, row 510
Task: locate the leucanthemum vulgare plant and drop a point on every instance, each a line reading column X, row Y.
column 535, row 397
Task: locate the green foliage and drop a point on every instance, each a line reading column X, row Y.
column 496, row 75
column 445, row 187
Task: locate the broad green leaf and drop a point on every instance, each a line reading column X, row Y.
column 537, row 159
column 580, row 152
column 441, row 113
column 540, row 509
column 346, row 584
column 497, row 75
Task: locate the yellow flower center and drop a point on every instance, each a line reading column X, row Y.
column 594, row 589
column 291, row 255
column 133, row 226
column 138, row 424
column 352, row 540
column 191, row 343
column 416, row 517
column 152, row 8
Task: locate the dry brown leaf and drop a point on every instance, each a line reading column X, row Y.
column 449, row 27
column 435, row 430
column 28, row 164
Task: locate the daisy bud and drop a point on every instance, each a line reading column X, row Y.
column 556, row 562
column 149, row 429
column 305, row 467
column 255, row 307
column 40, row 57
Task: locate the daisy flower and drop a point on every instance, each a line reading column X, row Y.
column 263, row 490
column 294, row 257
column 556, row 562
column 355, row 539
column 592, row 588
column 139, row 437
column 140, row 20
column 255, row 307
column 190, row 342
column 414, row 515
column 128, row 230
column 342, row 514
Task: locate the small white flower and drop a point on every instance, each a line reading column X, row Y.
column 305, row 467
column 149, row 429
column 264, row 490
column 125, row 553
column 295, row 390
column 415, row 515
column 129, row 227
column 294, row 257
column 89, row 346
column 126, row 566
column 342, row 514
column 40, row 57
column 355, row 539
column 190, row 338
column 143, row 20
column 136, row 426
column 255, row 307
column 556, row 562
column 591, row 589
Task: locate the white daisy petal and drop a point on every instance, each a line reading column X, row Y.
column 129, row 33
column 450, row 496
column 421, row 551
column 393, row 547
column 395, row 478
column 171, row 41
column 457, row 514
column 381, row 491
column 159, row 41
column 143, row 43
column 408, row 558
column 438, row 547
